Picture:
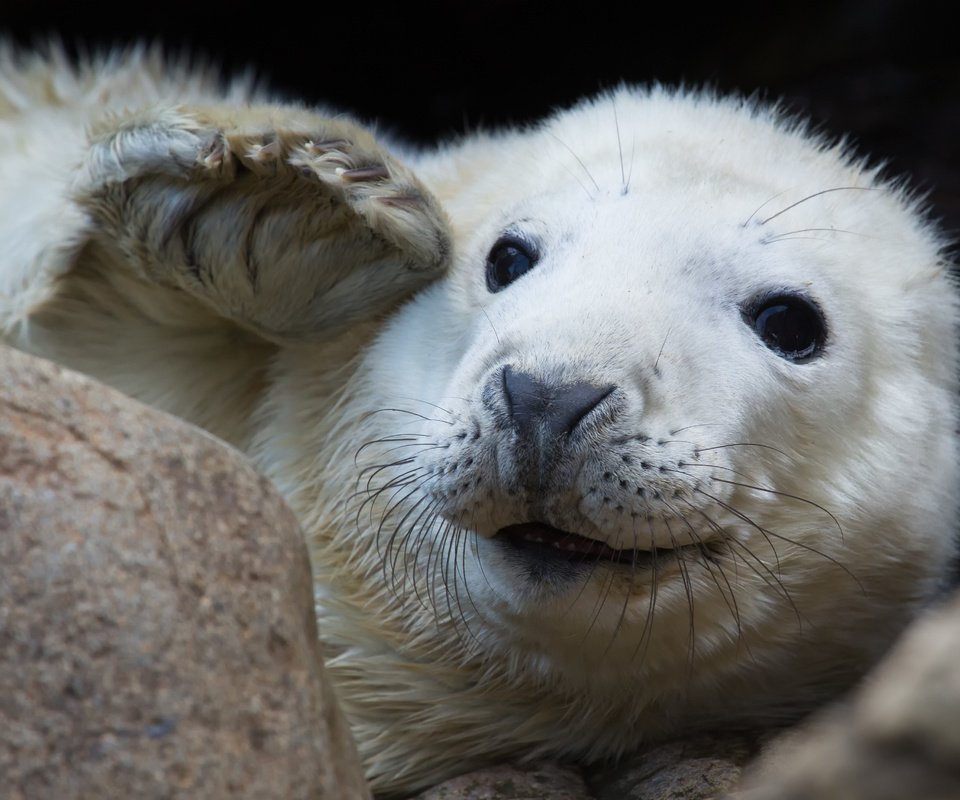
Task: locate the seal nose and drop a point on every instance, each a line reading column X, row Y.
column 558, row 408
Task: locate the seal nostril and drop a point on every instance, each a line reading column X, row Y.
column 559, row 408
column 578, row 401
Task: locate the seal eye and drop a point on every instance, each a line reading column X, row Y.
column 792, row 326
column 509, row 258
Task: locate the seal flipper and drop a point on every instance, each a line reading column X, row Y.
column 291, row 224
column 168, row 250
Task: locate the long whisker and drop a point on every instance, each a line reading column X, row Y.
column 731, row 541
column 742, row 444
column 761, row 530
column 793, row 235
column 490, row 322
column 688, row 464
column 656, row 363
column 646, row 635
column 787, row 495
column 583, row 584
column 375, row 469
column 796, row 543
column 688, row 591
column 407, row 411
column 449, row 537
column 399, row 526
column 423, row 402
column 627, row 594
column 761, row 206
column 698, row 425
column 579, row 161
column 818, row 194
column 399, row 483
column 729, row 597
column 465, row 533
column 600, row 602
column 400, row 437
column 421, row 538
column 434, row 567
column 624, row 188
column 370, row 494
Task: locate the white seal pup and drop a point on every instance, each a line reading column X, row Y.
column 666, row 439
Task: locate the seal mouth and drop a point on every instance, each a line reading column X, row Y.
column 543, row 541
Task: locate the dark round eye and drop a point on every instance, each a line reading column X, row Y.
column 509, row 258
column 792, row 326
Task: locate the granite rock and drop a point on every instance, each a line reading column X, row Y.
column 156, row 610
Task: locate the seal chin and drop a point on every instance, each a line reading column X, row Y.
column 543, row 543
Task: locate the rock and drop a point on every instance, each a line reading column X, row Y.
column 537, row 782
column 897, row 737
column 156, row 610
column 696, row 768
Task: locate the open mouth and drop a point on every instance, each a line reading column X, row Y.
column 543, row 541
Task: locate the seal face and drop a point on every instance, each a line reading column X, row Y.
column 662, row 449
column 602, row 421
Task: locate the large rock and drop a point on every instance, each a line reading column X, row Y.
column 157, row 637
column 696, row 768
column 897, row 738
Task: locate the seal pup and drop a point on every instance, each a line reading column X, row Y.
column 638, row 420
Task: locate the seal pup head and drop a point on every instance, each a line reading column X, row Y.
column 675, row 440
column 690, row 385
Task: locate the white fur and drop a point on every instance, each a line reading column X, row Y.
column 658, row 214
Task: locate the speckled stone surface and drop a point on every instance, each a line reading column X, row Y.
column 534, row 782
column 157, row 637
column 697, row 768
column 896, row 738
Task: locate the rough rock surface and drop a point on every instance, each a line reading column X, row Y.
column 697, row 768
column 157, row 637
column 536, row 782
column 898, row 737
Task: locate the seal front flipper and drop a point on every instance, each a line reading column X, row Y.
column 289, row 223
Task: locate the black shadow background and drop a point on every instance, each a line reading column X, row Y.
column 885, row 71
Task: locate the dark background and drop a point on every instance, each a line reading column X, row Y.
column 885, row 71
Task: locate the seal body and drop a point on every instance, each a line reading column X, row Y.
column 639, row 420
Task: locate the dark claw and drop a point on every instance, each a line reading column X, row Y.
column 329, row 146
column 212, row 152
column 374, row 173
column 401, row 200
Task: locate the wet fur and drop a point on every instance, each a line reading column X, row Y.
column 783, row 522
